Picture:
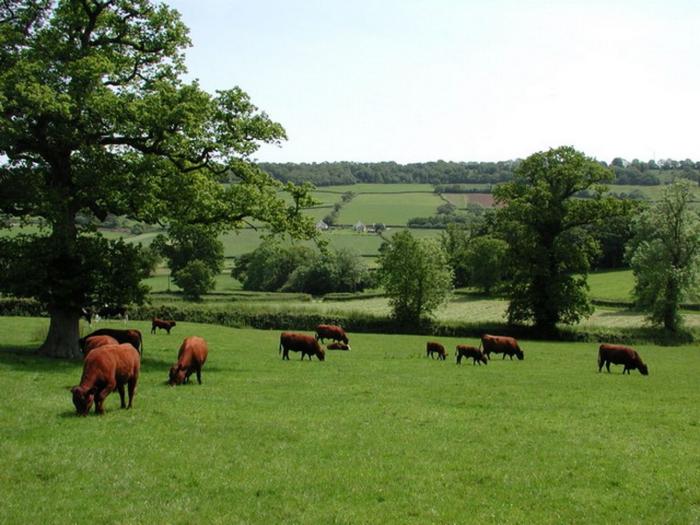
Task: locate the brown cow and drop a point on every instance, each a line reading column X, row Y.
column 500, row 344
column 338, row 346
column 105, row 369
column 620, row 355
column 96, row 341
column 303, row 343
column 132, row 336
column 329, row 331
column 469, row 351
column 191, row 358
column 435, row 348
column 162, row 324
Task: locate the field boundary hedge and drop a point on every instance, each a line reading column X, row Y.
column 240, row 316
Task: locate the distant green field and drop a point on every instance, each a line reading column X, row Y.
column 612, row 286
column 378, row 188
column 380, row 434
column 389, row 208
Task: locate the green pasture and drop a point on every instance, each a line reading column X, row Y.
column 616, row 285
column 378, row 188
column 380, row 434
column 389, row 208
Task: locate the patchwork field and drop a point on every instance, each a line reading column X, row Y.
column 380, row 434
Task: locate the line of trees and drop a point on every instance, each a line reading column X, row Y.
column 454, row 173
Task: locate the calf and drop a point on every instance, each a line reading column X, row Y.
column 432, row 348
column 469, row 351
column 191, row 358
column 105, row 369
column 162, row 324
column 338, row 346
column 303, row 343
column 499, row 344
column 96, row 341
column 133, row 337
column 620, row 355
column 332, row 332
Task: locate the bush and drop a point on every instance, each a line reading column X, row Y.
column 195, row 279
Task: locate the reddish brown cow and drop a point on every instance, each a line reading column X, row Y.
column 162, row 324
column 191, row 358
column 500, row 344
column 432, row 348
column 471, row 352
column 338, row 346
column 303, row 343
column 133, row 337
column 96, row 341
column 620, row 355
column 332, row 332
column 105, row 369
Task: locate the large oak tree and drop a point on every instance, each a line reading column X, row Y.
column 95, row 118
column 551, row 234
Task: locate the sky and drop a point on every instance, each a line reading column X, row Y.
column 425, row 80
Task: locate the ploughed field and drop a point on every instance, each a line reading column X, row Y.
column 380, row 434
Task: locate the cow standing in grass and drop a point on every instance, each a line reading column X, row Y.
column 190, row 359
column 332, row 332
column 303, row 343
column 471, row 352
column 432, row 348
column 500, row 344
column 131, row 336
column 105, row 369
column 621, row 355
column 96, row 341
column 163, row 324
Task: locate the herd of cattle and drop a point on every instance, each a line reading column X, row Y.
column 112, row 358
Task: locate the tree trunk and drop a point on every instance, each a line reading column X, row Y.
column 62, row 339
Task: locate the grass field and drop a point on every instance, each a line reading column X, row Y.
column 389, row 208
column 616, row 285
column 380, row 434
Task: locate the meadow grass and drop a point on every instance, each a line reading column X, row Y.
column 389, row 208
column 616, row 285
column 380, row 434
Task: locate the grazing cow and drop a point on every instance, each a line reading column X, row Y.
column 191, row 358
column 133, row 337
column 621, row 355
column 499, row 344
column 338, row 346
column 96, row 341
column 469, row 351
column 332, row 332
column 303, row 343
column 435, row 348
column 162, row 324
column 106, row 369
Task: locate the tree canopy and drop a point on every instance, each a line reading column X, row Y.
column 416, row 276
column 96, row 119
column 550, row 235
column 665, row 255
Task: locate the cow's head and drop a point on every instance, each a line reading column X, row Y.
column 177, row 375
column 644, row 369
column 321, row 354
column 82, row 400
column 520, row 354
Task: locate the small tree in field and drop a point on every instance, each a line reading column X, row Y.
column 416, row 276
column 195, row 279
column 95, row 119
column 665, row 255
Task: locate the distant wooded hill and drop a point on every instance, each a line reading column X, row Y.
column 441, row 172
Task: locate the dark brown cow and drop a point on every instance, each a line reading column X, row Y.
column 133, row 337
column 432, row 348
column 191, row 358
column 338, row 346
column 471, row 352
column 303, row 343
column 332, row 332
column 163, row 324
column 500, row 344
column 106, row 369
column 620, row 355
column 96, row 341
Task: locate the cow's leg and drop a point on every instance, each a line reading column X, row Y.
column 100, row 398
column 132, row 390
column 199, row 375
column 607, row 366
column 120, row 389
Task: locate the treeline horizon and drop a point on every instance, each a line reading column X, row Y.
column 340, row 173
